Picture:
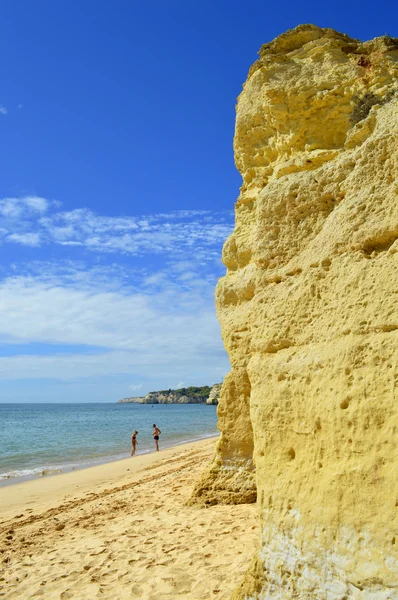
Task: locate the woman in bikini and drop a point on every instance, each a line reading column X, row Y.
column 134, row 442
column 156, row 433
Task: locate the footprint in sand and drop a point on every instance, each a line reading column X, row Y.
column 123, row 575
column 97, row 553
column 170, row 550
column 137, row 591
column 166, row 563
column 39, row 592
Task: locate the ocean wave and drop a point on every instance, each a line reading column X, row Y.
column 46, row 470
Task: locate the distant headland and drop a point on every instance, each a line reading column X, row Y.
column 190, row 395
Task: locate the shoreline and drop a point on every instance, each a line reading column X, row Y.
column 50, row 471
column 45, row 491
column 124, row 530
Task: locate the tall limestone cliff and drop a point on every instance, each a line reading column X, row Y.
column 309, row 315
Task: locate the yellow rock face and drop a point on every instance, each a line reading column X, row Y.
column 309, row 315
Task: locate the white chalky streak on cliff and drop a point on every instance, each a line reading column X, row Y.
column 320, row 576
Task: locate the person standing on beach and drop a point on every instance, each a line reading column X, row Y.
column 134, row 442
column 156, row 433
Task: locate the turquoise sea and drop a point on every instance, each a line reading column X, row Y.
column 40, row 439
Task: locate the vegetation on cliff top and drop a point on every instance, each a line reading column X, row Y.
column 191, row 394
column 192, row 391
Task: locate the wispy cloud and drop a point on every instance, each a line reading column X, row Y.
column 25, row 239
column 173, row 233
column 171, row 330
column 27, row 206
column 110, row 364
column 135, row 387
column 141, row 289
column 3, row 110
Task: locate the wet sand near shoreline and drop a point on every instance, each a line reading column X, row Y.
column 123, row 530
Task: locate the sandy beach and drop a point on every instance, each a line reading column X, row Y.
column 123, row 530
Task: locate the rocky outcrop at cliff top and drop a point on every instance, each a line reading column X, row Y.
column 190, row 395
column 132, row 399
column 309, row 317
column 214, row 395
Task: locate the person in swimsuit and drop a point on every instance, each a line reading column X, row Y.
column 134, row 442
column 156, row 433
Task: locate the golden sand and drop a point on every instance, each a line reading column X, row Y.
column 123, row 530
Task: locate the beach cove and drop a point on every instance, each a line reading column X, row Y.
column 123, row 530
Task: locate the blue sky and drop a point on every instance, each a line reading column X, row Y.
column 118, row 184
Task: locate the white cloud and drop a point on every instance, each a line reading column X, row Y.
column 155, row 233
column 3, row 110
column 25, row 239
column 10, row 208
column 15, row 207
column 136, row 386
column 71, row 243
column 78, row 366
column 150, row 318
column 156, row 279
column 36, row 203
column 176, row 232
column 171, row 331
column 118, row 319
